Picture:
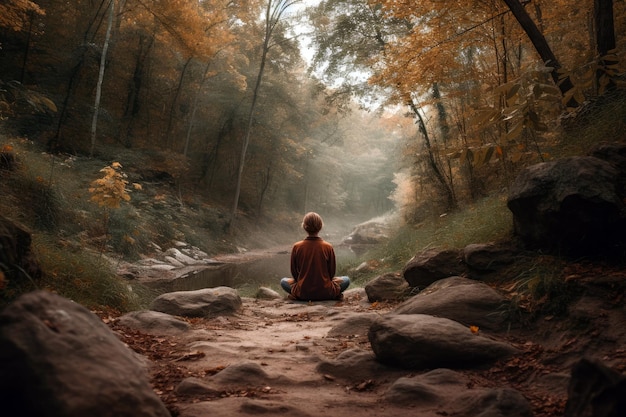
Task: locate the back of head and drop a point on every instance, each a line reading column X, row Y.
column 312, row 223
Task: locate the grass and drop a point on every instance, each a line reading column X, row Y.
column 79, row 275
column 487, row 220
column 600, row 121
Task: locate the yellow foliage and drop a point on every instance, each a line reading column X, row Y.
column 14, row 14
column 110, row 190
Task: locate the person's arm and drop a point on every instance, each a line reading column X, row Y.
column 295, row 268
column 332, row 263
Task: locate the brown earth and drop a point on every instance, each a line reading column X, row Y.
column 289, row 339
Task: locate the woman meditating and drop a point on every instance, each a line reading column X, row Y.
column 313, row 266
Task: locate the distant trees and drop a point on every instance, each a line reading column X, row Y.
column 481, row 79
column 274, row 12
column 214, row 96
column 16, row 15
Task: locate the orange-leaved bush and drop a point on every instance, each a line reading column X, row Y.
column 110, row 190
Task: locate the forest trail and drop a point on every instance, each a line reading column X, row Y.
column 279, row 346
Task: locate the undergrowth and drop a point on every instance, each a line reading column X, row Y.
column 487, row 220
column 79, row 275
column 49, row 194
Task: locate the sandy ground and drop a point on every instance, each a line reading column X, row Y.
column 288, row 340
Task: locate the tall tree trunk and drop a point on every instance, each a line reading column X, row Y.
column 605, row 37
column 170, row 120
column 54, row 142
column 133, row 102
column 442, row 114
column 264, row 184
column 31, row 19
column 96, row 110
column 195, row 107
column 273, row 14
column 210, row 162
column 441, row 178
column 541, row 46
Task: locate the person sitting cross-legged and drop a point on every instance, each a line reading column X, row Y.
column 313, row 266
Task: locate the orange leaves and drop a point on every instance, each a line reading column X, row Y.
column 474, row 329
column 434, row 50
column 110, row 190
column 14, row 14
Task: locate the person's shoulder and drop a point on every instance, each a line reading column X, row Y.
column 298, row 244
column 327, row 244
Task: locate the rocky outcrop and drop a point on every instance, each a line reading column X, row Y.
column 470, row 302
column 431, row 265
column 418, row 341
column 482, row 258
column 387, row 287
column 370, row 232
column 444, row 386
column 476, row 260
column 58, row 359
column 595, row 390
column 154, row 322
column 353, row 325
column 209, row 302
column 354, row 365
column 572, row 204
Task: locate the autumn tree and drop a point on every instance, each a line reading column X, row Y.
column 15, row 15
column 273, row 15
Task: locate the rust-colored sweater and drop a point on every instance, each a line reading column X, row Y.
column 313, row 268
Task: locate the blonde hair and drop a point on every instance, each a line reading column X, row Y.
column 312, row 223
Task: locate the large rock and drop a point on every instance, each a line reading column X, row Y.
column 387, row 287
column 208, row 302
column 357, row 324
column 488, row 257
column 439, row 386
column 236, row 377
column 615, row 154
column 57, row 359
column 595, row 390
column 446, row 392
column 418, row 341
column 353, row 365
column 572, row 204
column 497, row 402
column 154, row 322
column 371, row 232
column 470, row 302
column 432, row 265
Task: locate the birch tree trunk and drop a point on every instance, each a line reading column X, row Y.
column 96, row 107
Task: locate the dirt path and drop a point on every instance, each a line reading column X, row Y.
column 280, row 345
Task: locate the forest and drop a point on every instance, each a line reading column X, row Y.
column 255, row 112
column 279, row 105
